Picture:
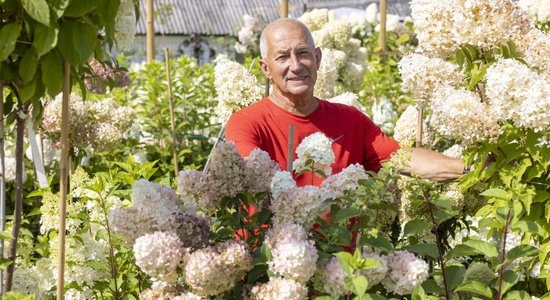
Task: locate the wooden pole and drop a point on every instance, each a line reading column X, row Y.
column 2, row 183
column 382, row 33
column 290, row 149
column 150, row 31
column 284, row 9
column 63, row 180
column 171, row 105
column 420, row 124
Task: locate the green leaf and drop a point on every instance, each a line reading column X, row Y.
column 13, row 295
column 4, row 263
column 8, row 35
column 418, row 293
column 475, row 287
column 521, row 251
column 379, row 242
column 424, row 250
column 529, row 226
column 346, row 213
column 58, row 6
column 77, row 41
column 45, row 39
column 28, row 65
column 509, row 279
column 359, row 285
column 441, row 216
column 78, row 8
column 38, row 10
column 454, row 275
column 497, row 193
column 443, row 202
column 374, row 297
column 27, row 91
column 52, row 72
column 346, row 261
column 483, row 247
column 416, row 226
column 6, row 235
column 517, row 295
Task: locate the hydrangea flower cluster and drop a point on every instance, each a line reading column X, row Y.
column 159, row 254
column 343, row 64
column 235, row 86
column 279, row 289
column 213, row 270
column 405, row 272
column 260, row 169
column 539, row 10
column 125, row 26
column 301, row 205
column 383, row 114
column 227, row 175
column 406, row 127
column 459, row 113
column 443, row 26
column 99, row 124
column 193, row 231
column 248, row 35
column 346, row 180
column 377, row 274
column 519, row 94
column 293, row 258
column 329, row 278
column 422, row 75
column 315, row 148
column 349, row 99
column 535, row 49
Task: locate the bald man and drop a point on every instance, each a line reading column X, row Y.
column 290, row 61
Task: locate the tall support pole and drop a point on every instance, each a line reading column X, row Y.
column 2, row 183
column 150, row 31
column 420, row 123
column 284, row 9
column 172, row 119
column 382, row 36
column 63, row 180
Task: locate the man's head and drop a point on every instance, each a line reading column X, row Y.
column 289, row 58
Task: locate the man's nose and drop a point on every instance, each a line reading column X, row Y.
column 295, row 64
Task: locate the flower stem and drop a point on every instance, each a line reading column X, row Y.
column 503, row 256
column 111, row 253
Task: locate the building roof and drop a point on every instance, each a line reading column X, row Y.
column 211, row 17
column 225, row 17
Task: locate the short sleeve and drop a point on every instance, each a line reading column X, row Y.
column 378, row 146
column 241, row 131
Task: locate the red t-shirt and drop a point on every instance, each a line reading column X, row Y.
column 265, row 125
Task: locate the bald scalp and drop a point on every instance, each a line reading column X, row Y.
column 283, row 23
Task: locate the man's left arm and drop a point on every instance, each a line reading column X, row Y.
column 435, row 166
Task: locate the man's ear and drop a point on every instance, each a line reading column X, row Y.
column 263, row 66
column 318, row 55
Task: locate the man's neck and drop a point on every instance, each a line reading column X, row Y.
column 297, row 106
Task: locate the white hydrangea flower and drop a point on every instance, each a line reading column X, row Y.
column 371, row 13
column 539, row 10
column 329, row 278
column 349, row 99
column 235, row 87
column 162, row 290
column 260, row 170
column 280, row 182
column 300, row 205
column 383, row 114
column 315, row 19
column 422, row 75
column 459, row 113
column 519, row 94
column 455, row 151
column 155, row 201
column 327, row 75
column 534, row 47
column 279, row 289
column 213, row 270
column 128, row 224
column 284, row 231
column 434, row 26
column 377, row 274
column 34, row 279
column 294, row 259
column 226, row 172
column 406, row 271
column 159, row 254
column 345, row 181
column 316, row 147
column 193, row 188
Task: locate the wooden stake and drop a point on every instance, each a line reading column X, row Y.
column 420, row 123
column 290, row 149
column 284, row 9
column 382, row 33
column 150, row 33
column 63, row 180
column 171, row 105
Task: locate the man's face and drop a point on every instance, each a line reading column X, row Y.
column 291, row 62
